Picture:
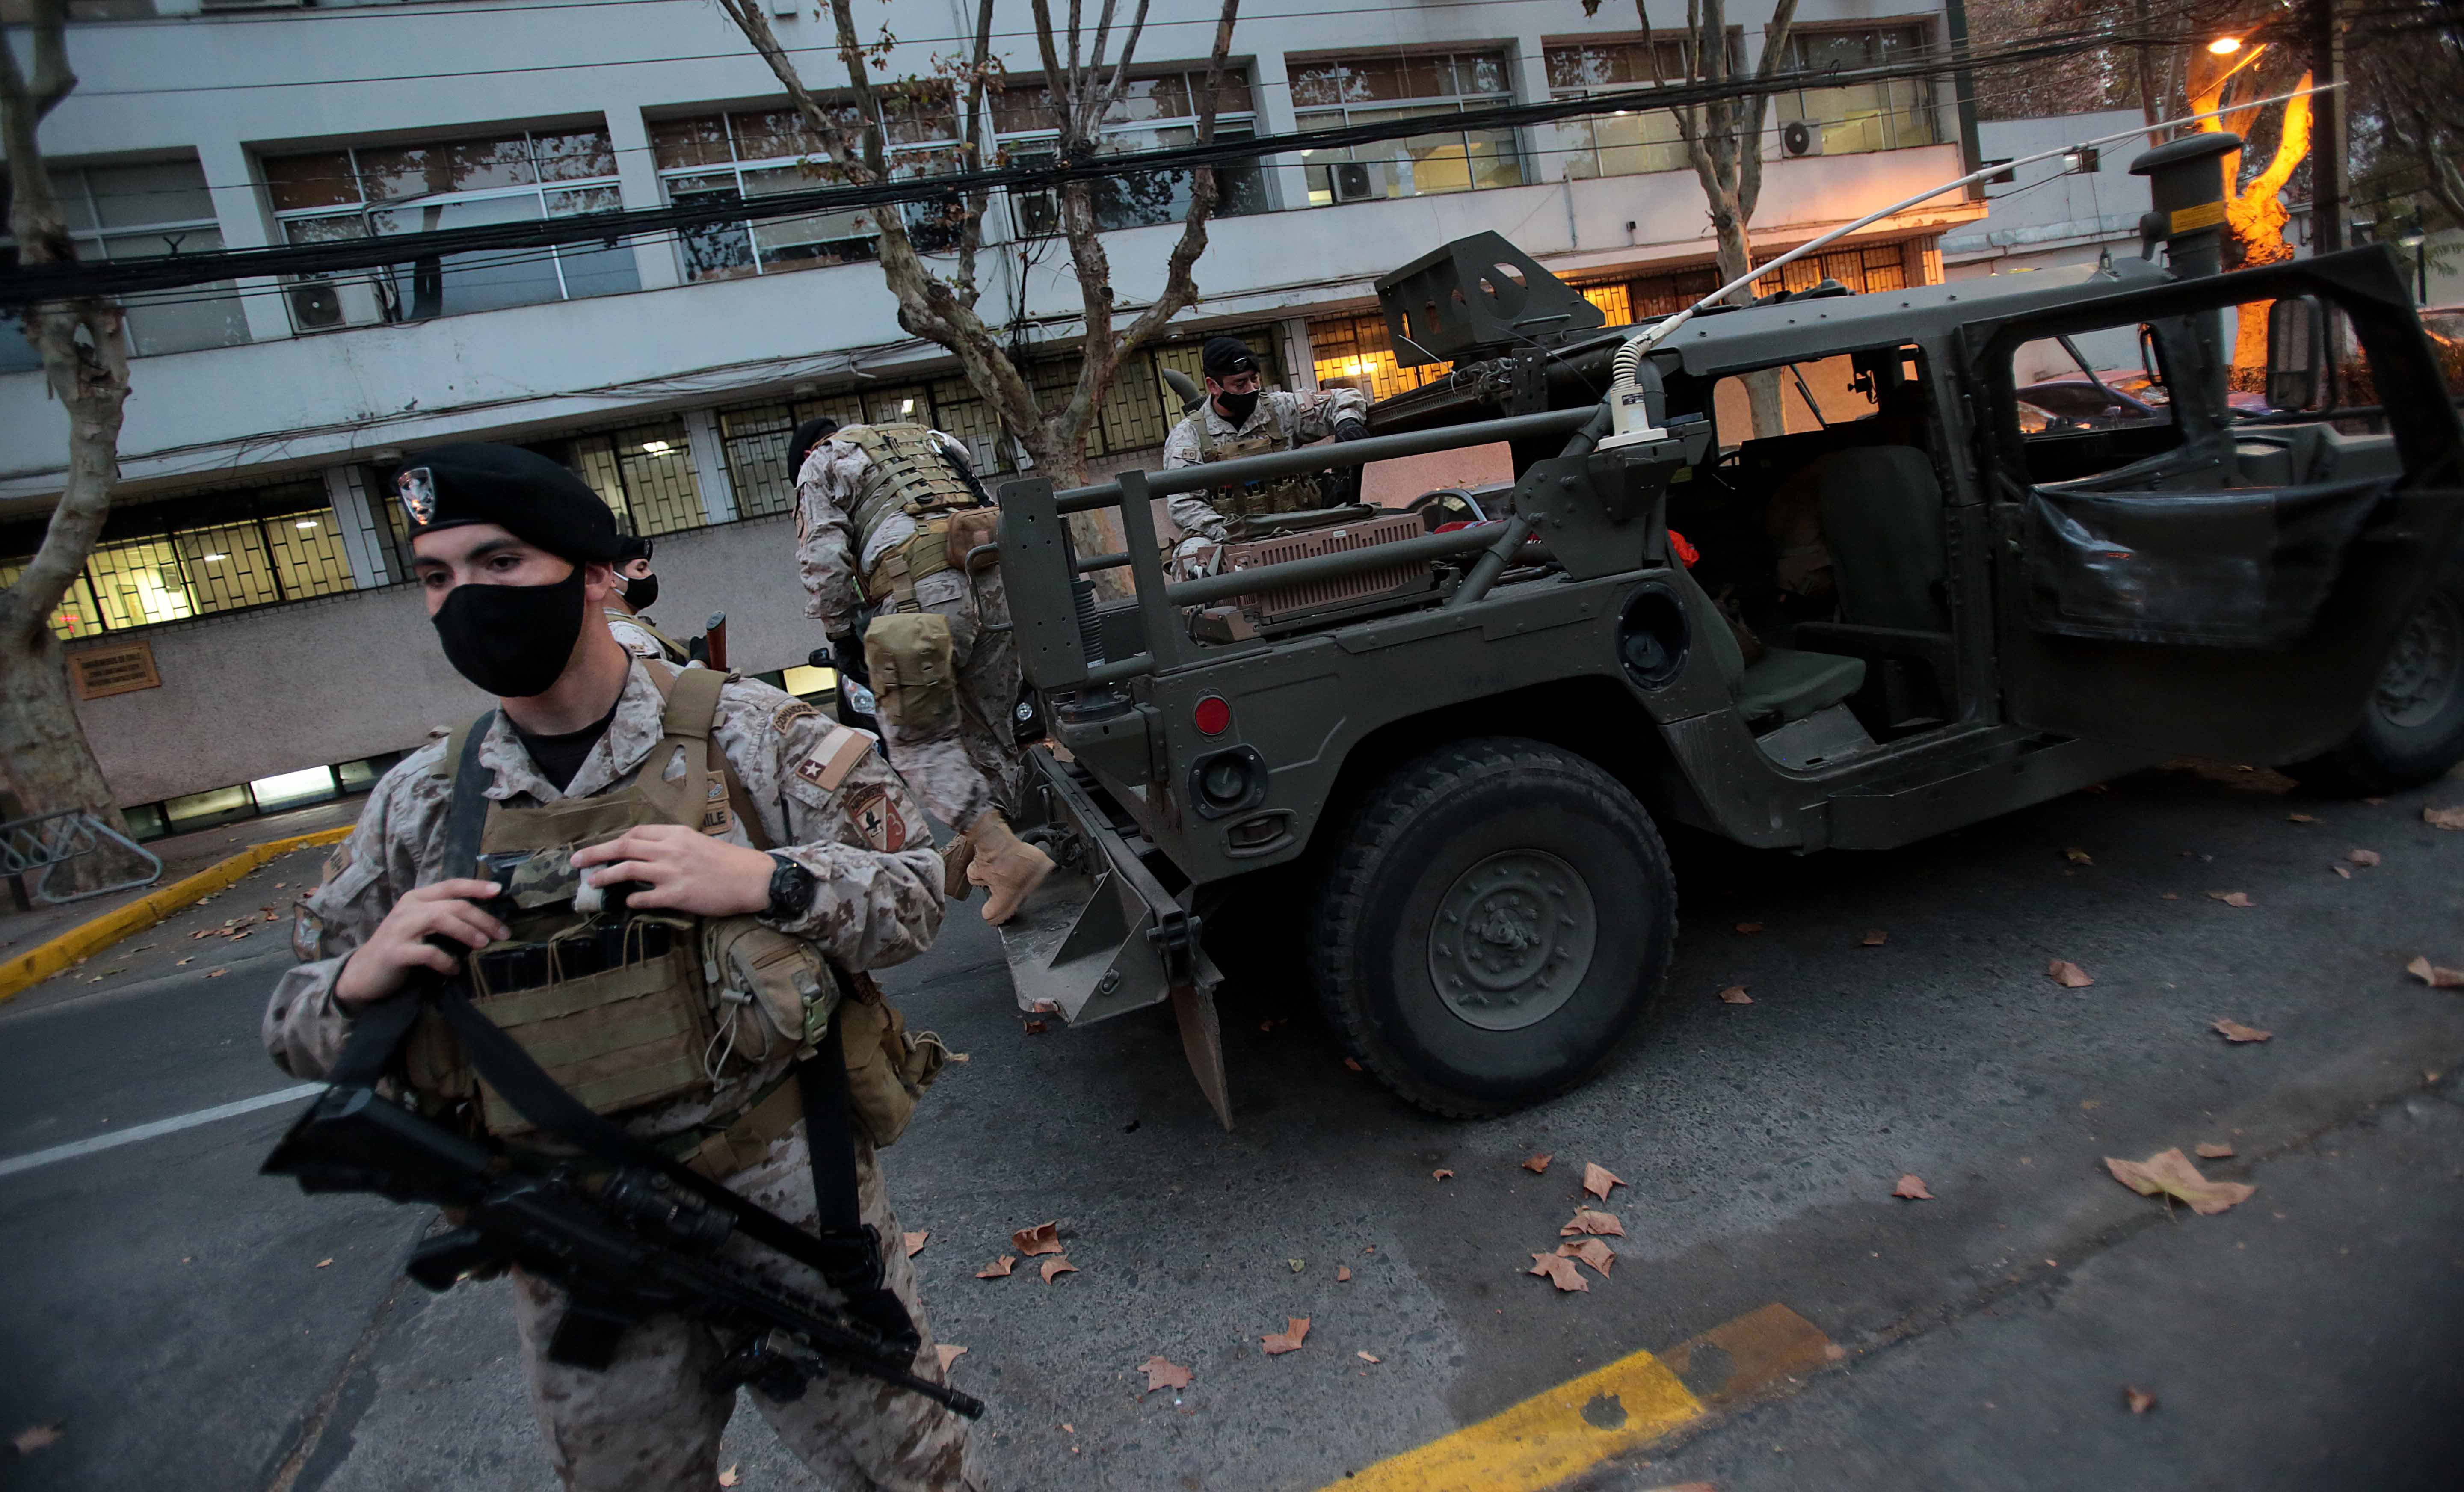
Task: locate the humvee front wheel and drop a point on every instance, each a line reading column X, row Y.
column 1499, row 913
column 2413, row 730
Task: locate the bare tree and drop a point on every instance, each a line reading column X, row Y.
column 1723, row 140
column 43, row 748
column 1085, row 78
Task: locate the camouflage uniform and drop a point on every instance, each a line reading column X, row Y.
column 967, row 762
column 1292, row 419
column 647, row 1423
column 637, row 636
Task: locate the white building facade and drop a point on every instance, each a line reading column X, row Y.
column 251, row 571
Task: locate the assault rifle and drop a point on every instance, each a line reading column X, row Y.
column 623, row 1245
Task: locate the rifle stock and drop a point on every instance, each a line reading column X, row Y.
column 623, row 1248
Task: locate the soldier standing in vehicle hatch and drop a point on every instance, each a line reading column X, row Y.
column 1239, row 419
column 516, row 557
column 886, row 517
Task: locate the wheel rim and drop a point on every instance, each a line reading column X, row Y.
column 2422, row 669
column 1513, row 939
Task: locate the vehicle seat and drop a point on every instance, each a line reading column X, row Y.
column 1882, row 521
column 1786, row 684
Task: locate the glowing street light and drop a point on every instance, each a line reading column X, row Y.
column 2225, row 46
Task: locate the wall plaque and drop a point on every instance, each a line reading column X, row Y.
column 118, row 669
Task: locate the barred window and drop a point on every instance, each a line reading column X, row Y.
column 644, row 472
column 1355, row 351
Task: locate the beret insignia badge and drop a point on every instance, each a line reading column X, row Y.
column 418, row 492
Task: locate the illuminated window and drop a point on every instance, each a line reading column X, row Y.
column 1355, row 350
column 1340, row 91
column 1889, row 115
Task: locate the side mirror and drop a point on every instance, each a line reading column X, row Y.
column 820, row 658
column 2297, row 353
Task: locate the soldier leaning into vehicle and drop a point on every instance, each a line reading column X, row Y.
column 590, row 746
column 1239, row 420
column 885, row 516
column 636, row 592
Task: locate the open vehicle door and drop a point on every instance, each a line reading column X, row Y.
column 2226, row 582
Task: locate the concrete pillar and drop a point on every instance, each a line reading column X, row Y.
column 362, row 525
column 1270, row 91
column 241, row 214
column 709, row 466
column 637, row 186
column 1531, row 86
column 1300, row 361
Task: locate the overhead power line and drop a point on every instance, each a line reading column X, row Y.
column 27, row 285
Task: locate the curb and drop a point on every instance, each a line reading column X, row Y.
column 84, row 940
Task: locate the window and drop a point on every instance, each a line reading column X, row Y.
column 643, row 472
column 142, row 212
column 173, row 560
column 1342, row 91
column 1890, row 115
column 749, row 153
column 1155, row 114
column 1630, row 140
column 1865, row 268
column 374, row 191
column 1355, row 351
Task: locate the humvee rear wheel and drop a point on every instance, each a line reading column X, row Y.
column 2413, row 730
column 1499, row 915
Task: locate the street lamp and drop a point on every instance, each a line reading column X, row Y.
column 2225, row 46
column 2417, row 240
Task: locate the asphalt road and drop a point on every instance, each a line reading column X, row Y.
column 179, row 1316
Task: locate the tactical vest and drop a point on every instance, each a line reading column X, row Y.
column 1293, row 493
column 677, row 654
column 911, row 475
column 624, row 1008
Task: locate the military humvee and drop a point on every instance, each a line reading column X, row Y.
column 1927, row 602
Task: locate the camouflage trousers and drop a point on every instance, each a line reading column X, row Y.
column 945, row 698
column 651, row 1422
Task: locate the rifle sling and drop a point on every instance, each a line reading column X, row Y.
column 848, row 1253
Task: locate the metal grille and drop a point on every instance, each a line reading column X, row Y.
column 754, row 442
column 644, row 473
column 1355, row 350
column 1265, row 607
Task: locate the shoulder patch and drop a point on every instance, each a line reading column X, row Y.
column 837, row 755
column 788, row 714
column 876, row 820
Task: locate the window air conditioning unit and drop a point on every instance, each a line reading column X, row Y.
column 1800, row 137
column 323, row 303
column 315, row 305
column 1355, row 181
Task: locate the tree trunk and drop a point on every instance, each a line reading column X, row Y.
column 1736, row 257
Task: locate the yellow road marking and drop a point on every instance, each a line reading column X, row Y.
column 86, row 938
column 1637, row 1400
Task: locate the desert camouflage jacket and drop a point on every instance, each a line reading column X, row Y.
column 824, row 797
column 1293, row 419
column 825, row 494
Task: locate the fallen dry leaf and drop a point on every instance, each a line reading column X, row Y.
column 1367, row 1358
column 1735, row 994
column 2214, row 1150
column 2435, row 977
column 1587, row 1221
column 2444, row 818
column 2231, row 898
column 2236, row 1031
column 731, row 1477
column 2301, row 818
column 323, row 1263
column 177, row 962
column 1289, row 1340
column 2170, row 1172
column 217, row 973
column 2341, row 871
column 2079, row 857
column 1441, row 1174
column 1163, row 1374
column 1056, row 1266
column 34, row 1438
column 2140, row 1400
column 2068, row 974
column 1538, row 1164
column 1875, row 938
column 1599, row 1179
column 916, row 1242
column 1044, row 1237
column 999, row 1268
column 1035, row 1029
column 1913, row 1188
column 2363, row 857
column 273, row 916
column 1591, row 1251
column 1343, row 1274
column 1559, row 1271
column 949, row 1354
column 1749, row 926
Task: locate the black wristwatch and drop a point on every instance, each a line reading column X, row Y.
column 791, row 889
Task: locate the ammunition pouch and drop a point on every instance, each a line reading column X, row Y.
column 1293, row 493
column 766, row 986
column 914, row 664
column 892, row 579
column 888, row 1069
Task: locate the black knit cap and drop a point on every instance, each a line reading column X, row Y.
column 1225, row 356
column 523, row 493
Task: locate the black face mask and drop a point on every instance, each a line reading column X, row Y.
column 1236, row 407
column 512, row 640
column 642, row 593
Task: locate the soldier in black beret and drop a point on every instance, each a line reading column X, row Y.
column 1242, row 418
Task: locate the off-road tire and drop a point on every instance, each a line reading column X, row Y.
column 2412, row 729
column 1437, row 830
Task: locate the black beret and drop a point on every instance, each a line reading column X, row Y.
column 521, row 492
column 799, row 445
column 1228, row 355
